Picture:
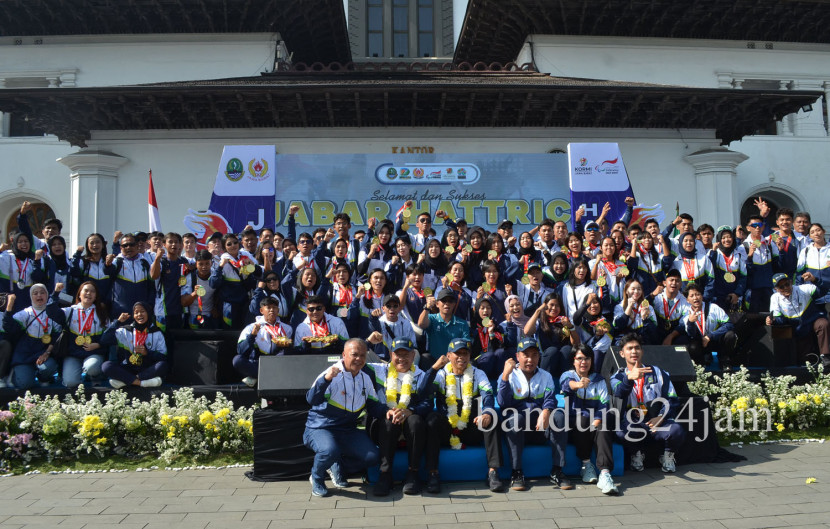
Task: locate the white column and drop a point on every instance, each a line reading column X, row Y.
column 785, row 127
column 827, row 105
column 93, row 180
column 810, row 123
column 715, row 175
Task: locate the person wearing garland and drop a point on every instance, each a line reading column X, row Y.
column 527, row 398
column 338, row 397
column 457, row 420
column 34, row 333
column 650, row 404
column 396, row 384
column 266, row 336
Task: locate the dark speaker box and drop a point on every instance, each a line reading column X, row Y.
column 285, row 376
column 770, row 347
column 672, row 358
column 279, row 453
column 195, row 363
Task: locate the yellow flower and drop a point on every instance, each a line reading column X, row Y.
column 171, row 433
column 779, row 427
column 165, row 420
column 222, row 414
column 802, row 398
column 782, row 405
column 762, row 403
column 100, row 440
column 206, row 417
column 817, row 399
column 453, row 419
column 811, row 480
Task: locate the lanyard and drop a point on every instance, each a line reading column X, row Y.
column 319, row 330
column 45, row 323
column 639, row 389
column 274, row 330
column 701, row 323
column 666, row 311
column 690, row 266
column 727, row 259
column 345, row 295
column 610, row 266
column 21, row 268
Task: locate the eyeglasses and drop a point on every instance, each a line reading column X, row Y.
column 757, row 225
column 318, row 238
column 304, row 241
column 314, row 309
column 582, row 359
column 127, row 244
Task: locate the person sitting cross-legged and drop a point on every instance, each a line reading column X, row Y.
column 337, row 399
column 527, row 397
column 398, row 381
column 650, row 398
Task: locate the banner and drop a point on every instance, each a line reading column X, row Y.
column 243, row 193
column 597, row 175
column 482, row 188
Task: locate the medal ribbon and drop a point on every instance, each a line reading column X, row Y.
column 420, row 293
column 319, row 330
column 610, row 266
column 21, row 269
column 85, row 325
column 45, row 323
column 525, row 259
column 727, row 260
column 690, row 268
column 139, row 338
column 345, row 295
column 484, row 336
column 274, row 330
column 639, row 389
column 666, row 310
column 701, row 323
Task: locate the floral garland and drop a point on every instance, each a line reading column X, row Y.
column 392, row 388
column 459, row 423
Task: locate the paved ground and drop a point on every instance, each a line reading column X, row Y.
column 768, row 490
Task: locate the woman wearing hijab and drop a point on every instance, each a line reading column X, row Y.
column 729, row 266
column 434, row 263
column 34, row 333
column 556, row 275
column 142, row 351
column 83, row 324
column 18, row 270
column 513, row 326
column 692, row 264
column 58, row 269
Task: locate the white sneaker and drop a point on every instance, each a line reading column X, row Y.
column 667, row 460
column 606, row 484
column 249, row 381
column 116, row 384
column 637, row 460
column 151, row 382
column 588, row 473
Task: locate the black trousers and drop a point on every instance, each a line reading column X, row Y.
column 586, row 440
column 724, row 345
column 386, row 435
column 439, row 431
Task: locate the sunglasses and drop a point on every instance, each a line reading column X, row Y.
column 425, row 220
column 128, row 245
column 272, row 279
column 757, row 225
column 304, row 241
column 314, row 309
column 592, row 228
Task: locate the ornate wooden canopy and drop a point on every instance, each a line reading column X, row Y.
column 314, row 30
column 494, row 30
column 399, row 96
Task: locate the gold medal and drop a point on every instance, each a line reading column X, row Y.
column 200, row 290
column 449, row 249
column 342, row 312
column 405, row 226
column 367, row 286
column 486, row 322
column 468, row 248
column 407, row 213
column 566, row 332
column 376, row 240
column 644, row 304
column 79, row 341
column 729, row 277
column 492, row 254
column 586, row 244
column 756, row 244
column 486, row 287
column 525, row 279
column 87, row 340
column 605, row 326
column 775, row 237
column 601, row 281
column 449, row 277
column 46, row 338
column 623, row 271
column 182, row 281
column 427, row 291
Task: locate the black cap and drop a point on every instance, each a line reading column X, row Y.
column 391, row 297
column 505, row 224
column 445, row 293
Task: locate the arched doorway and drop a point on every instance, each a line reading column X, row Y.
column 775, row 198
column 39, row 213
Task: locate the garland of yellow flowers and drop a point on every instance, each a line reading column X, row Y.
column 392, row 401
column 459, row 423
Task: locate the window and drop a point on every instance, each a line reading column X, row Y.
column 400, row 28
column 374, row 28
column 426, row 32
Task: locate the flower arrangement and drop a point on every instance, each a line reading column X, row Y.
column 44, row 427
column 777, row 402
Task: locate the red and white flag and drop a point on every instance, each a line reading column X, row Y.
column 153, row 208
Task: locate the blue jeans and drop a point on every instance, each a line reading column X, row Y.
column 351, row 448
column 23, row 375
column 74, row 367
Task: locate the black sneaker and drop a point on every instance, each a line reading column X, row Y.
column 412, row 484
column 560, row 480
column 434, row 483
column 518, row 482
column 384, row 484
column 494, row 482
